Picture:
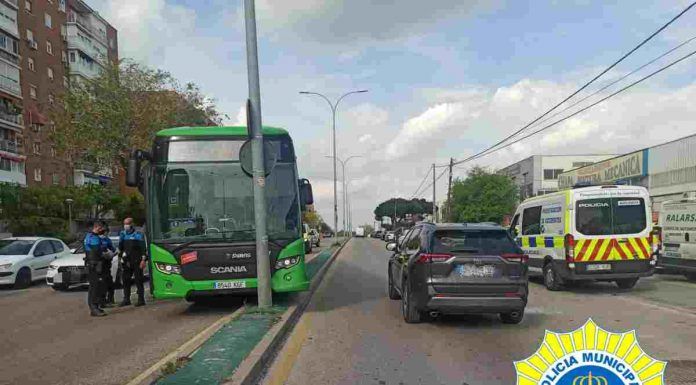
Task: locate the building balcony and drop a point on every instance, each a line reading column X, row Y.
column 75, row 42
column 10, row 58
column 13, row 3
column 15, row 121
column 9, row 146
column 85, row 25
column 10, row 86
column 13, row 177
column 86, row 70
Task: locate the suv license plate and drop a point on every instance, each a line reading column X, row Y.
column 230, row 285
column 598, row 267
column 471, row 270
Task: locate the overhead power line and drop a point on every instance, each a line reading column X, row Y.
column 586, row 84
column 418, row 194
column 491, row 150
column 430, row 169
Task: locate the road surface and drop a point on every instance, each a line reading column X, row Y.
column 47, row 337
column 353, row 334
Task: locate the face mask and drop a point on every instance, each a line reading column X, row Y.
column 127, row 227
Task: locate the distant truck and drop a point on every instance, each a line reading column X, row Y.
column 360, row 232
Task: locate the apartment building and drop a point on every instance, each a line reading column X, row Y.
column 12, row 158
column 44, row 45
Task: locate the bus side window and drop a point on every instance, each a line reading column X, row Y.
column 531, row 221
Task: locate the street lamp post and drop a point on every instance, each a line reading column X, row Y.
column 334, row 107
column 345, row 189
column 70, row 201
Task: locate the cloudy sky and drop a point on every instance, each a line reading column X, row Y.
column 446, row 78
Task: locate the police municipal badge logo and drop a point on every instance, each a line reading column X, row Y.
column 590, row 355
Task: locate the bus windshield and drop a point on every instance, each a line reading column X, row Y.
column 214, row 201
column 606, row 216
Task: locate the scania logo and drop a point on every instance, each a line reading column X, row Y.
column 246, row 255
column 228, row 269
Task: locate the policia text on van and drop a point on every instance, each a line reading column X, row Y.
column 590, row 233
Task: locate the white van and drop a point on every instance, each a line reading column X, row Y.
column 589, row 233
column 678, row 221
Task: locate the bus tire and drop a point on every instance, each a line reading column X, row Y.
column 626, row 283
column 552, row 280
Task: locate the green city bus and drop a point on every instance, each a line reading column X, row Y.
column 200, row 225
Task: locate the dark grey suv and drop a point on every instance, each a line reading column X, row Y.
column 458, row 269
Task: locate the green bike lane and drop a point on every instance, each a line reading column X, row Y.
column 219, row 356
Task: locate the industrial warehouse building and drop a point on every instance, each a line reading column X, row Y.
column 667, row 170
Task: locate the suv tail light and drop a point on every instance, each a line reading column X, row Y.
column 430, row 258
column 569, row 242
column 521, row 258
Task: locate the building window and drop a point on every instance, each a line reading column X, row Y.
column 61, row 5
column 49, row 47
column 35, row 127
column 50, row 73
column 30, row 35
column 37, row 148
column 552, row 174
column 37, row 174
column 64, row 56
column 27, row 5
column 66, row 83
column 56, row 178
column 581, row 164
column 30, row 64
column 53, row 151
column 72, row 56
column 63, row 31
column 32, row 91
column 51, row 99
column 48, row 21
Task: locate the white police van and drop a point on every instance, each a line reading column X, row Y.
column 589, row 233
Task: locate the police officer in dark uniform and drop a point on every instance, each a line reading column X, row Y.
column 95, row 249
column 132, row 243
column 107, row 295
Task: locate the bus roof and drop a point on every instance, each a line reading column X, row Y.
column 218, row 131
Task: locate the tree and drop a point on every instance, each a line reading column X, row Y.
column 101, row 120
column 483, row 197
column 312, row 218
column 399, row 208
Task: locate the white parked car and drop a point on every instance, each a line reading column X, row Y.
column 26, row 259
column 70, row 270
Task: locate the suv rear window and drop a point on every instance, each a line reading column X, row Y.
column 475, row 241
column 607, row 216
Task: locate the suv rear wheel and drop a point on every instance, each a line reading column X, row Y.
column 408, row 309
column 551, row 279
column 626, row 283
column 513, row 317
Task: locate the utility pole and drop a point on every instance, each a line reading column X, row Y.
column 263, row 262
column 434, row 206
column 449, row 192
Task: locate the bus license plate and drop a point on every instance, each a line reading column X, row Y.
column 599, row 267
column 230, row 285
column 471, row 270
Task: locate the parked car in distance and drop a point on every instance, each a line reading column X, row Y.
column 389, row 236
column 315, row 237
column 307, row 238
column 458, row 269
column 26, row 259
column 377, row 234
column 69, row 270
column 360, row 232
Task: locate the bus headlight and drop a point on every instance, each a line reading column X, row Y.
column 286, row 263
column 166, row 268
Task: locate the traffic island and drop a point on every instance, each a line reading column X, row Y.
column 241, row 348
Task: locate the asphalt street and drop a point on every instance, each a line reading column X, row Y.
column 353, row 334
column 47, row 337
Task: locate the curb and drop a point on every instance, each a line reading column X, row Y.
column 253, row 367
column 151, row 374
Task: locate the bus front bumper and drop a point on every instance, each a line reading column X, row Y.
column 619, row 270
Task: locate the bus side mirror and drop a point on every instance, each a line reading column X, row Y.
column 306, row 195
column 133, row 171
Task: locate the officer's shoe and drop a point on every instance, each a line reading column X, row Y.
column 96, row 312
column 124, row 303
